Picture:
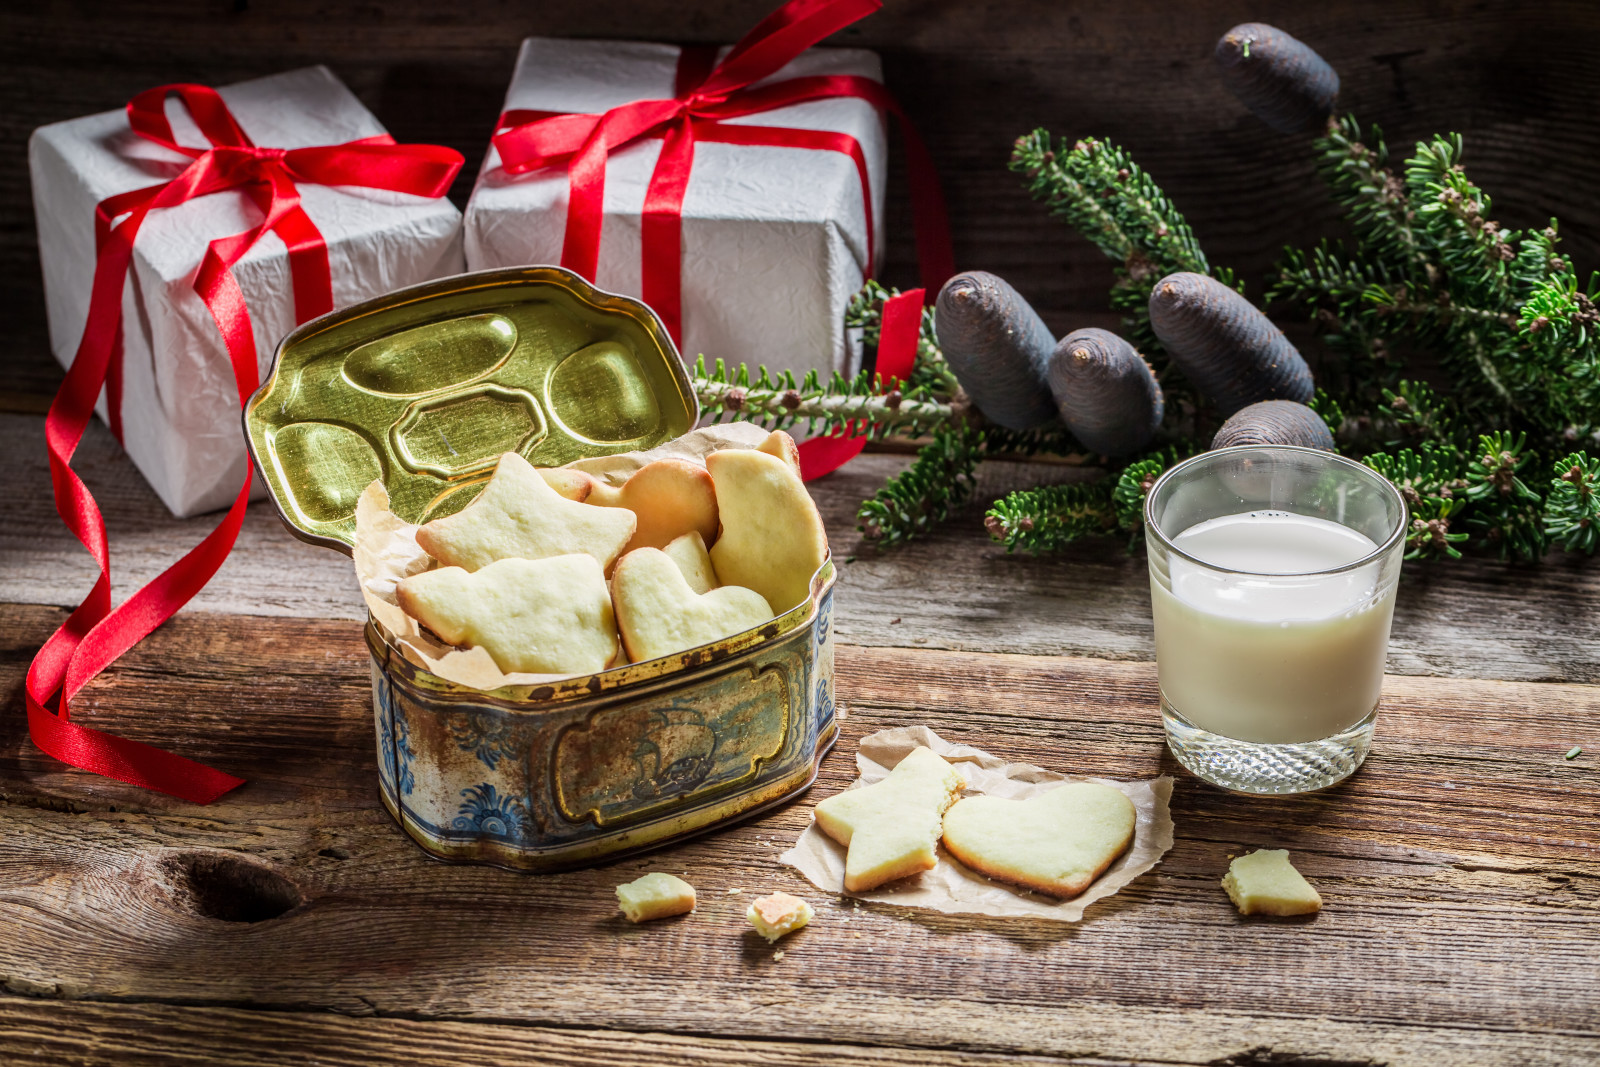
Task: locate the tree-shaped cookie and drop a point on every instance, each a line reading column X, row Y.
column 519, row 516
column 892, row 827
column 544, row 616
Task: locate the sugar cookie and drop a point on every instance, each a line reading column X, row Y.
column 1056, row 842
column 781, row 445
column 655, row 896
column 659, row 614
column 779, row 914
column 574, row 485
column 1266, row 883
column 689, row 553
column 772, row 537
column 544, row 616
column 669, row 497
column 892, row 827
column 519, row 516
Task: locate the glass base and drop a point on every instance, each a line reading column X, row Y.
column 1248, row 767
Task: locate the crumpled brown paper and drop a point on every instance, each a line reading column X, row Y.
column 386, row 551
column 953, row 888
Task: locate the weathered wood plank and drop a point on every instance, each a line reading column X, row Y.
column 1467, row 846
column 54, row 1033
column 956, row 589
column 42, row 1033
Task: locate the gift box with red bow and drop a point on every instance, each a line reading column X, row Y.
column 298, row 147
column 738, row 194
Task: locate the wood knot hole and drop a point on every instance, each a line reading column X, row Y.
column 231, row 888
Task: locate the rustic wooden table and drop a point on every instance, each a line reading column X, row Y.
column 292, row 922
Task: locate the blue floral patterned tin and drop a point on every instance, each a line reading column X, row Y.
column 550, row 777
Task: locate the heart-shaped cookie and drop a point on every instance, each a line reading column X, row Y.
column 659, row 614
column 1057, row 842
column 891, row 828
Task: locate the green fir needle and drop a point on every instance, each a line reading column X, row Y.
column 1574, row 752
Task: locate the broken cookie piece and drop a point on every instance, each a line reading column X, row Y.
column 891, row 828
column 655, row 896
column 1265, row 883
column 779, row 914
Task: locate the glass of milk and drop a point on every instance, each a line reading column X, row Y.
column 1272, row 581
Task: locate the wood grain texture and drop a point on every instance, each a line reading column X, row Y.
column 1516, row 78
column 956, row 589
column 1466, row 847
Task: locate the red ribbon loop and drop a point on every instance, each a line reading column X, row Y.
column 94, row 635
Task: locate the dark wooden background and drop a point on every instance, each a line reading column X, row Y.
column 1520, row 80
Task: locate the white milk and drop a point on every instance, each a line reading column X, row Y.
column 1272, row 660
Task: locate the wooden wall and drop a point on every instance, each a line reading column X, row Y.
column 1520, row 80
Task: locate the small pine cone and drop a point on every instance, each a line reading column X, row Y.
column 893, row 399
column 1281, row 80
column 1228, row 349
column 791, row 399
column 1106, row 392
column 734, row 399
column 995, row 525
column 1275, row 422
column 998, row 348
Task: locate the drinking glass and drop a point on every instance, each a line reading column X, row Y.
column 1272, row 582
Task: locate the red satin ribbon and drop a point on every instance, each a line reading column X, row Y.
column 704, row 97
column 898, row 332
column 94, row 635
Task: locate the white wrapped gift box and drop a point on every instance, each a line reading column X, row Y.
column 180, row 404
column 774, row 239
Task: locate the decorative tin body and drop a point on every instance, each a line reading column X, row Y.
column 424, row 389
column 547, row 784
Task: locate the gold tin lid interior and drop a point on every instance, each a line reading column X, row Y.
column 427, row 386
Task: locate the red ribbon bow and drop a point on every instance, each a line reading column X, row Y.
column 95, row 634
column 704, row 97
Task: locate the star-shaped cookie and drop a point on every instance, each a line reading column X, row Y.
column 520, row 516
column 541, row 616
column 892, row 827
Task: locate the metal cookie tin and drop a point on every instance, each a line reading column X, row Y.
column 424, row 389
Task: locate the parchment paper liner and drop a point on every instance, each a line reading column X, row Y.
column 953, row 888
column 386, row 551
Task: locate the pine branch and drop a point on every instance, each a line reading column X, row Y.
column 930, row 373
column 1103, row 194
column 781, row 402
column 1431, row 481
column 923, row 495
column 1572, row 512
column 1049, row 519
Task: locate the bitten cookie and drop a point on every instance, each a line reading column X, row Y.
column 659, row 614
column 1057, row 842
column 655, row 896
column 669, row 497
column 891, row 828
column 545, row 616
column 779, row 914
column 772, row 537
column 520, row 516
column 1266, row 883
